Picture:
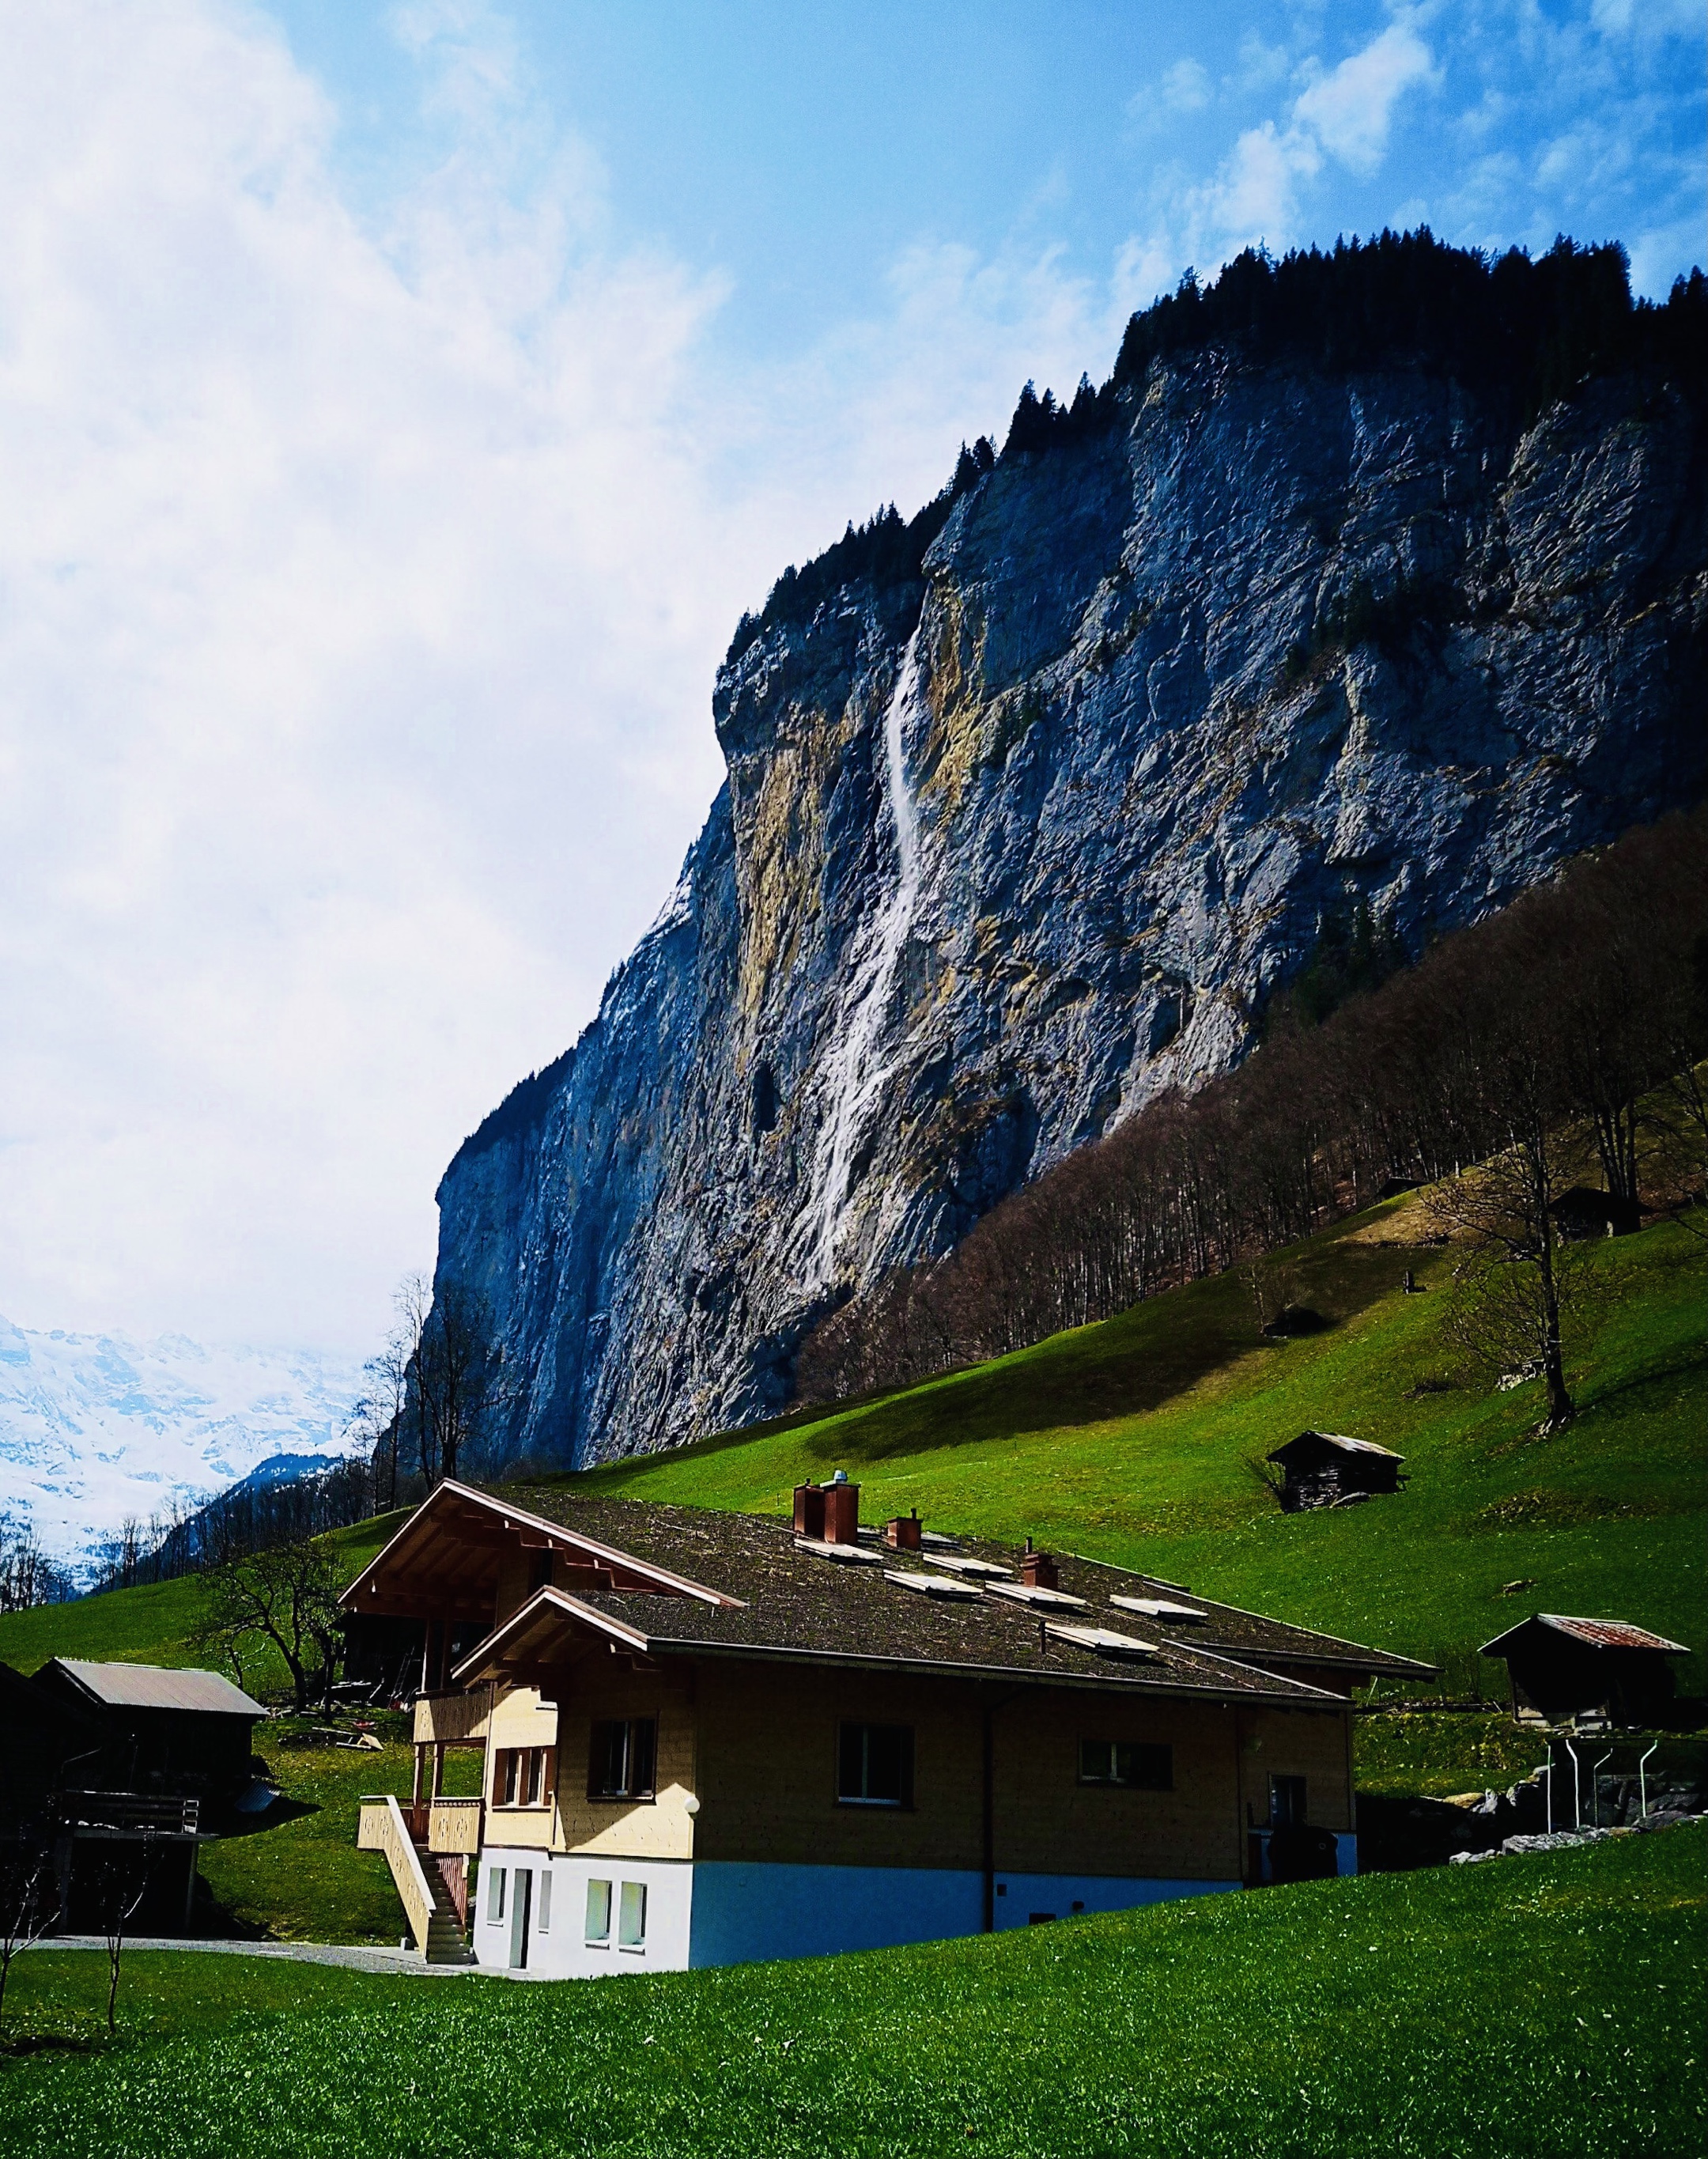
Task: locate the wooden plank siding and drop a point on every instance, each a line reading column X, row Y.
column 756, row 1745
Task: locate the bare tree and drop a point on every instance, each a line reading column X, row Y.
column 287, row 1595
column 27, row 1906
column 386, row 1406
column 124, row 1883
column 444, row 1337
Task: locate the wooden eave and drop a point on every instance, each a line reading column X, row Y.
column 446, row 1560
column 528, row 1635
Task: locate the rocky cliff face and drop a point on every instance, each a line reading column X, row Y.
column 1005, row 851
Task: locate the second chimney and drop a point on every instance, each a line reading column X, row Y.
column 1037, row 1570
column 902, row 1534
column 841, row 1514
column 810, row 1511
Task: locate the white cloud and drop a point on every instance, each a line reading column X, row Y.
column 1349, row 110
column 1344, row 114
column 359, row 600
column 1185, row 86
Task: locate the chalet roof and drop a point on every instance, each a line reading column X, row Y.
column 1592, row 1633
column 757, row 1590
column 153, row 1686
column 1339, row 1442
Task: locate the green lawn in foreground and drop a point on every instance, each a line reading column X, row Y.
column 1548, row 2006
column 1133, row 1441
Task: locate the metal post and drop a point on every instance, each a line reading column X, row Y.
column 1595, row 1790
column 1576, row 1792
column 1642, row 1781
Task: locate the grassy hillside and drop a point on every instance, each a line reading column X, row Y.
column 154, row 1625
column 1134, row 1441
column 1548, row 2006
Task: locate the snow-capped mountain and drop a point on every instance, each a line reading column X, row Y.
column 95, row 1428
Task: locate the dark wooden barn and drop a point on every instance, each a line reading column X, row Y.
column 1327, row 1469
column 1585, row 1671
column 188, row 1732
column 1583, row 1212
column 48, row 1739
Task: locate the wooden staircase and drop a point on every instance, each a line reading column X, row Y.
column 447, row 1939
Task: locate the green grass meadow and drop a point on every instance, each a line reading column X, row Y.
column 1548, row 2006
column 1135, row 1442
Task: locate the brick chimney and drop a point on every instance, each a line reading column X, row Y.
column 902, row 1534
column 810, row 1510
column 1037, row 1570
column 841, row 1510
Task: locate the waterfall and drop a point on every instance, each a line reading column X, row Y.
column 854, row 1069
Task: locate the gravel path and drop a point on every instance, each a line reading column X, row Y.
column 355, row 1958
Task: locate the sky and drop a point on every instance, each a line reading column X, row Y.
column 399, row 403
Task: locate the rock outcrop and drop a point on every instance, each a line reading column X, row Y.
column 1007, row 848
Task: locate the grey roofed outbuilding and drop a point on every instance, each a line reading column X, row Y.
column 1339, row 1442
column 1592, row 1633
column 156, row 1686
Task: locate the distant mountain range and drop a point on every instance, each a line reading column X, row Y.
column 96, row 1427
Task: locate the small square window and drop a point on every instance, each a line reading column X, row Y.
column 599, row 1934
column 494, row 1895
column 631, row 1920
column 1138, row 1766
column 1286, row 1802
column 875, row 1765
column 621, row 1765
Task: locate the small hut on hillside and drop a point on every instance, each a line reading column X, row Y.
column 1587, row 1671
column 1327, row 1469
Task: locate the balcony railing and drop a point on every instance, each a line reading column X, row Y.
column 452, row 1720
column 453, row 1825
column 131, row 1813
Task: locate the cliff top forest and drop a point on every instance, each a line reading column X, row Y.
column 1535, row 328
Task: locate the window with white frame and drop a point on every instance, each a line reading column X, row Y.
column 542, row 1901
column 631, row 1918
column 495, row 1895
column 598, row 1930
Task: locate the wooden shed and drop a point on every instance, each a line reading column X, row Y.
column 179, row 1732
column 1327, row 1469
column 1585, row 1671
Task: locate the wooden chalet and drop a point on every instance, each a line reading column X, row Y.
column 707, row 1737
column 1326, row 1469
column 1589, row 1672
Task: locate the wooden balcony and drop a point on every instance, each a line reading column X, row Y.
column 458, row 1719
column 453, row 1825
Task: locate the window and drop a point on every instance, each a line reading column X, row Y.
column 1286, row 1802
column 542, row 1903
column 599, row 1934
column 631, row 1918
column 522, row 1776
column 494, row 1897
column 621, row 1767
column 1135, row 1764
column 875, row 1765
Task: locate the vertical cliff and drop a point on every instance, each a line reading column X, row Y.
column 1009, row 845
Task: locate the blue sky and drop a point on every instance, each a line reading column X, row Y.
column 399, row 402
column 801, row 151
